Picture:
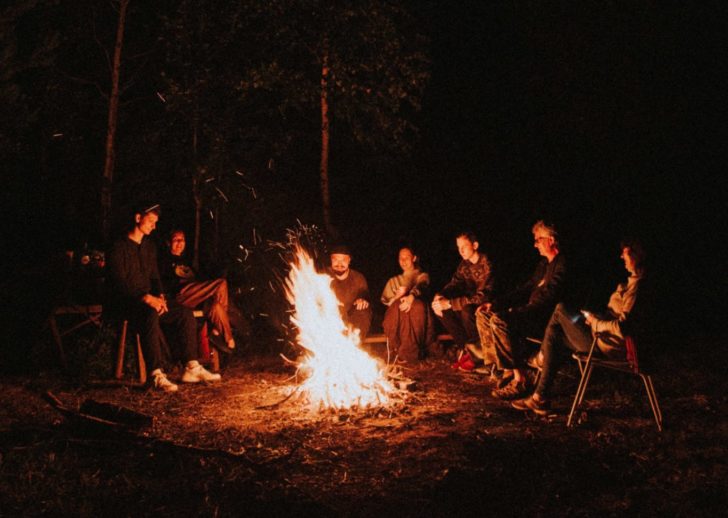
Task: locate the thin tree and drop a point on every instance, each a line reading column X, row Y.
column 108, row 176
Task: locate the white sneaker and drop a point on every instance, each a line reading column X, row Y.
column 198, row 373
column 162, row 383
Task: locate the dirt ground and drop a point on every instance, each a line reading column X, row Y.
column 445, row 449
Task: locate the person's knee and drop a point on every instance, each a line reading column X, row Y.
column 418, row 307
column 148, row 315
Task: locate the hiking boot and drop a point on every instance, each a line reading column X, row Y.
column 502, row 378
column 197, row 373
column 162, row 383
column 539, row 407
column 514, row 390
column 218, row 342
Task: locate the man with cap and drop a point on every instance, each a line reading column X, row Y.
column 137, row 295
column 351, row 289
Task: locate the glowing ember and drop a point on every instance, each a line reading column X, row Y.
column 342, row 374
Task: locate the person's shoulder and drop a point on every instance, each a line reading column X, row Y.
column 118, row 245
column 356, row 274
column 149, row 244
column 483, row 259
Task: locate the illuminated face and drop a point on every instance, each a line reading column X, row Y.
column 147, row 223
column 466, row 248
column 543, row 242
column 340, row 263
column 629, row 263
column 407, row 259
column 177, row 243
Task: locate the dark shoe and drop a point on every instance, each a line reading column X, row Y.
column 514, row 390
column 218, row 342
column 539, row 407
column 502, row 378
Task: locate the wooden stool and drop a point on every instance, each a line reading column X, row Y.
column 119, row 366
column 213, row 357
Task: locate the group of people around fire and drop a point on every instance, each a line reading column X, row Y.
column 499, row 336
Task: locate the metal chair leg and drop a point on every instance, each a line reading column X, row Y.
column 588, row 374
column 652, row 397
column 579, row 396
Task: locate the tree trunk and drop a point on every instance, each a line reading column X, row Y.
column 324, row 169
column 108, row 178
column 196, row 193
column 196, row 188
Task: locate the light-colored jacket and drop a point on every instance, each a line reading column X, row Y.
column 415, row 281
column 621, row 302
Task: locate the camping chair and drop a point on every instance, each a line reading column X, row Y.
column 629, row 365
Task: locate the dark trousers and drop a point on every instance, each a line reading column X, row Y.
column 180, row 324
column 461, row 325
column 565, row 332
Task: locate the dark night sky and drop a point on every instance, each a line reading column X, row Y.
column 605, row 118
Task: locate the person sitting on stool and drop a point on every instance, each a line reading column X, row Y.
column 136, row 293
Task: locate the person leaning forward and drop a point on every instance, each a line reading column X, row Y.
column 523, row 312
column 136, row 294
column 408, row 323
column 471, row 285
column 351, row 289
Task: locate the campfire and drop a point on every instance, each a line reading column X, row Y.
column 340, row 375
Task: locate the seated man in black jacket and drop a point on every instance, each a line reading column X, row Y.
column 524, row 312
column 181, row 281
column 137, row 294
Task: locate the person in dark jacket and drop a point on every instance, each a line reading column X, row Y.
column 471, row 286
column 571, row 331
column 137, row 295
column 523, row 312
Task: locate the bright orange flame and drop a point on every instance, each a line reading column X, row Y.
column 342, row 374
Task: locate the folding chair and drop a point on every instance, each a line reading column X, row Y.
column 79, row 316
column 629, row 365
